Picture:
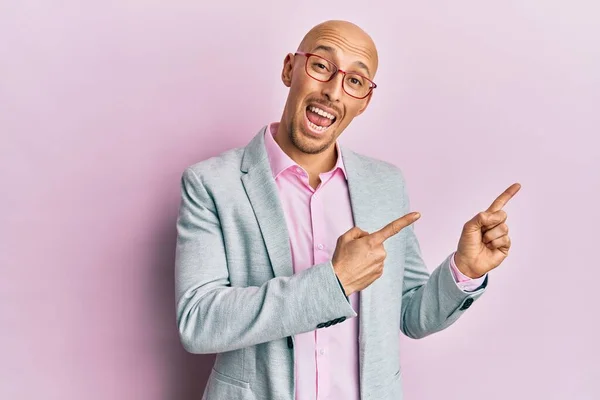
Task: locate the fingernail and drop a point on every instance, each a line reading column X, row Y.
column 417, row 215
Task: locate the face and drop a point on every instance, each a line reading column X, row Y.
column 316, row 113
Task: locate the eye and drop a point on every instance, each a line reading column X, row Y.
column 355, row 81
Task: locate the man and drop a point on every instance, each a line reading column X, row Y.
column 287, row 263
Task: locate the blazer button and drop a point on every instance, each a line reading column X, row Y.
column 321, row 325
column 467, row 303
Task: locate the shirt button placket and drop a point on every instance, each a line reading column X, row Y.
column 321, row 335
column 317, row 229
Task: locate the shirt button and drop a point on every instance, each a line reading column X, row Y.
column 321, row 352
column 320, row 246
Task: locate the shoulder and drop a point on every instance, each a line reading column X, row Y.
column 218, row 168
column 377, row 168
column 383, row 181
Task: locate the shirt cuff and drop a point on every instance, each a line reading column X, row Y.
column 463, row 282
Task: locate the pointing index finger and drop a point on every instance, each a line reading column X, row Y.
column 395, row 226
column 504, row 197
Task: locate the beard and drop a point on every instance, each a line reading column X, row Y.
column 305, row 145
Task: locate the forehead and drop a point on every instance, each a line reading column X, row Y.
column 349, row 48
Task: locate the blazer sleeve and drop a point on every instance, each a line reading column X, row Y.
column 430, row 302
column 213, row 316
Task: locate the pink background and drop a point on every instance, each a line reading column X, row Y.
column 103, row 104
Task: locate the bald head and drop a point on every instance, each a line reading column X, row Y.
column 345, row 35
column 326, row 77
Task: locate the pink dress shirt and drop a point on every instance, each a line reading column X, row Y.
column 326, row 360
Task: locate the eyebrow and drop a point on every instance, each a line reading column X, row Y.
column 332, row 50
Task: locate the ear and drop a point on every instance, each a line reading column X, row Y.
column 286, row 73
column 364, row 107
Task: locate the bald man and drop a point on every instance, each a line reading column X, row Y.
column 297, row 261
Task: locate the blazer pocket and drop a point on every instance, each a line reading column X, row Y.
column 232, row 381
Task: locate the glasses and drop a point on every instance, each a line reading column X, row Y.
column 323, row 70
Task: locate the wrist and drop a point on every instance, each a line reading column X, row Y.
column 342, row 286
column 464, row 268
column 345, row 287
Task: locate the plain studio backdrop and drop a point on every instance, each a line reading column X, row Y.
column 104, row 103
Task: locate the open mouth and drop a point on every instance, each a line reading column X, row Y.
column 318, row 120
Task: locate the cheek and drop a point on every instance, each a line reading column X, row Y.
column 353, row 109
column 351, row 113
column 298, row 81
column 303, row 85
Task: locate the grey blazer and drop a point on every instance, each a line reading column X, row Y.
column 237, row 295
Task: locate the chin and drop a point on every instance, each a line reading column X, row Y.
column 309, row 143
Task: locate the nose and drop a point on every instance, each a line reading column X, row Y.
column 333, row 89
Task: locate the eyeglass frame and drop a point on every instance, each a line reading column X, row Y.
column 308, row 55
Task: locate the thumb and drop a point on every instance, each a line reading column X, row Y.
column 487, row 219
column 352, row 234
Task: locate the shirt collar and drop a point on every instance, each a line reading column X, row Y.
column 280, row 161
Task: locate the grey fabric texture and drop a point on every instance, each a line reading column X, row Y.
column 237, row 295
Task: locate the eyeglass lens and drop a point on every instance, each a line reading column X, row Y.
column 322, row 70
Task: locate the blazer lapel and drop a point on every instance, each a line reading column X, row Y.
column 261, row 189
column 363, row 194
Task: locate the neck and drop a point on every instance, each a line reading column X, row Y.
column 314, row 164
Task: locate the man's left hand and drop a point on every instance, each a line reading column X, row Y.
column 484, row 242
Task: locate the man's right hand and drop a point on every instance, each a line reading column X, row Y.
column 359, row 255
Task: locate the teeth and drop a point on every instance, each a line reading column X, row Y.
column 321, row 112
column 317, row 127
